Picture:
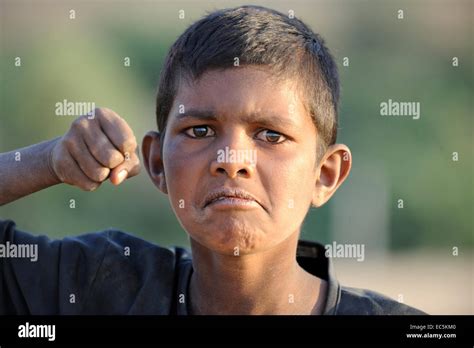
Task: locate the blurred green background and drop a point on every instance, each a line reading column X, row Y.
column 407, row 59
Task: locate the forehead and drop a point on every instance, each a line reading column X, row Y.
column 242, row 92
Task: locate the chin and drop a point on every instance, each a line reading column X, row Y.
column 230, row 237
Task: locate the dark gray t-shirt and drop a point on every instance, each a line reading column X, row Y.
column 112, row 272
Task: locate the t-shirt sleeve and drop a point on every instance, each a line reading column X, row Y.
column 40, row 276
column 367, row 302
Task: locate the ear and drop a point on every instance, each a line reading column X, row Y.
column 333, row 169
column 151, row 151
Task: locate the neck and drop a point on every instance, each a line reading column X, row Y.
column 268, row 282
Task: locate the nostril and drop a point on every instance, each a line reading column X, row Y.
column 231, row 170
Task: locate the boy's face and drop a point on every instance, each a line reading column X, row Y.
column 247, row 111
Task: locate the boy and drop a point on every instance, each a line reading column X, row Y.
column 246, row 80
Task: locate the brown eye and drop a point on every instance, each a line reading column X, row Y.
column 271, row 136
column 199, row 132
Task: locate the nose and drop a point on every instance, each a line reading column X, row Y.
column 232, row 170
column 235, row 159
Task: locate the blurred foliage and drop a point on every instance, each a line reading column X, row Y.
column 403, row 60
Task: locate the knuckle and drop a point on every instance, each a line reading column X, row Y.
column 99, row 112
column 79, row 123
column 130, row 144
column 105, row 110
column 68, row 141
column 104, row 113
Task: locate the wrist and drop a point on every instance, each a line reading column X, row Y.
column 54, row 178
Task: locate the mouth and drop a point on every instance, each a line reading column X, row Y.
column 231, row 198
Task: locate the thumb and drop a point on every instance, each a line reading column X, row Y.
column 127, row 169
column 117, row 177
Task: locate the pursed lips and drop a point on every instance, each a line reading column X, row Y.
column 223, row 193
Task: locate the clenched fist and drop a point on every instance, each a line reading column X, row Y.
column 95, row 149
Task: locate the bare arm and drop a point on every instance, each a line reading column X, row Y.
column 26, row 170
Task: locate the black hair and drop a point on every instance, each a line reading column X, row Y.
column 256, row 36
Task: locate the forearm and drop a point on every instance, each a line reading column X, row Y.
column 26, row 170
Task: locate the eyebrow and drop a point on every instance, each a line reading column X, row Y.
column 263, row 119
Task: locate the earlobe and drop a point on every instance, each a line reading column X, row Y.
column 151, row 150
column 333, row 169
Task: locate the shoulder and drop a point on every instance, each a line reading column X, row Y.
column 105, row 272
column 115, row 241
column 355, row 301
column 132, row 276
column 120, row 249
column 129, row 275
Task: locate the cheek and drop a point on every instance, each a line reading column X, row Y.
column 181, row 174
column 290, row 185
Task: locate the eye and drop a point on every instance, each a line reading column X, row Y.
column 199, row 132
column 271, row 136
